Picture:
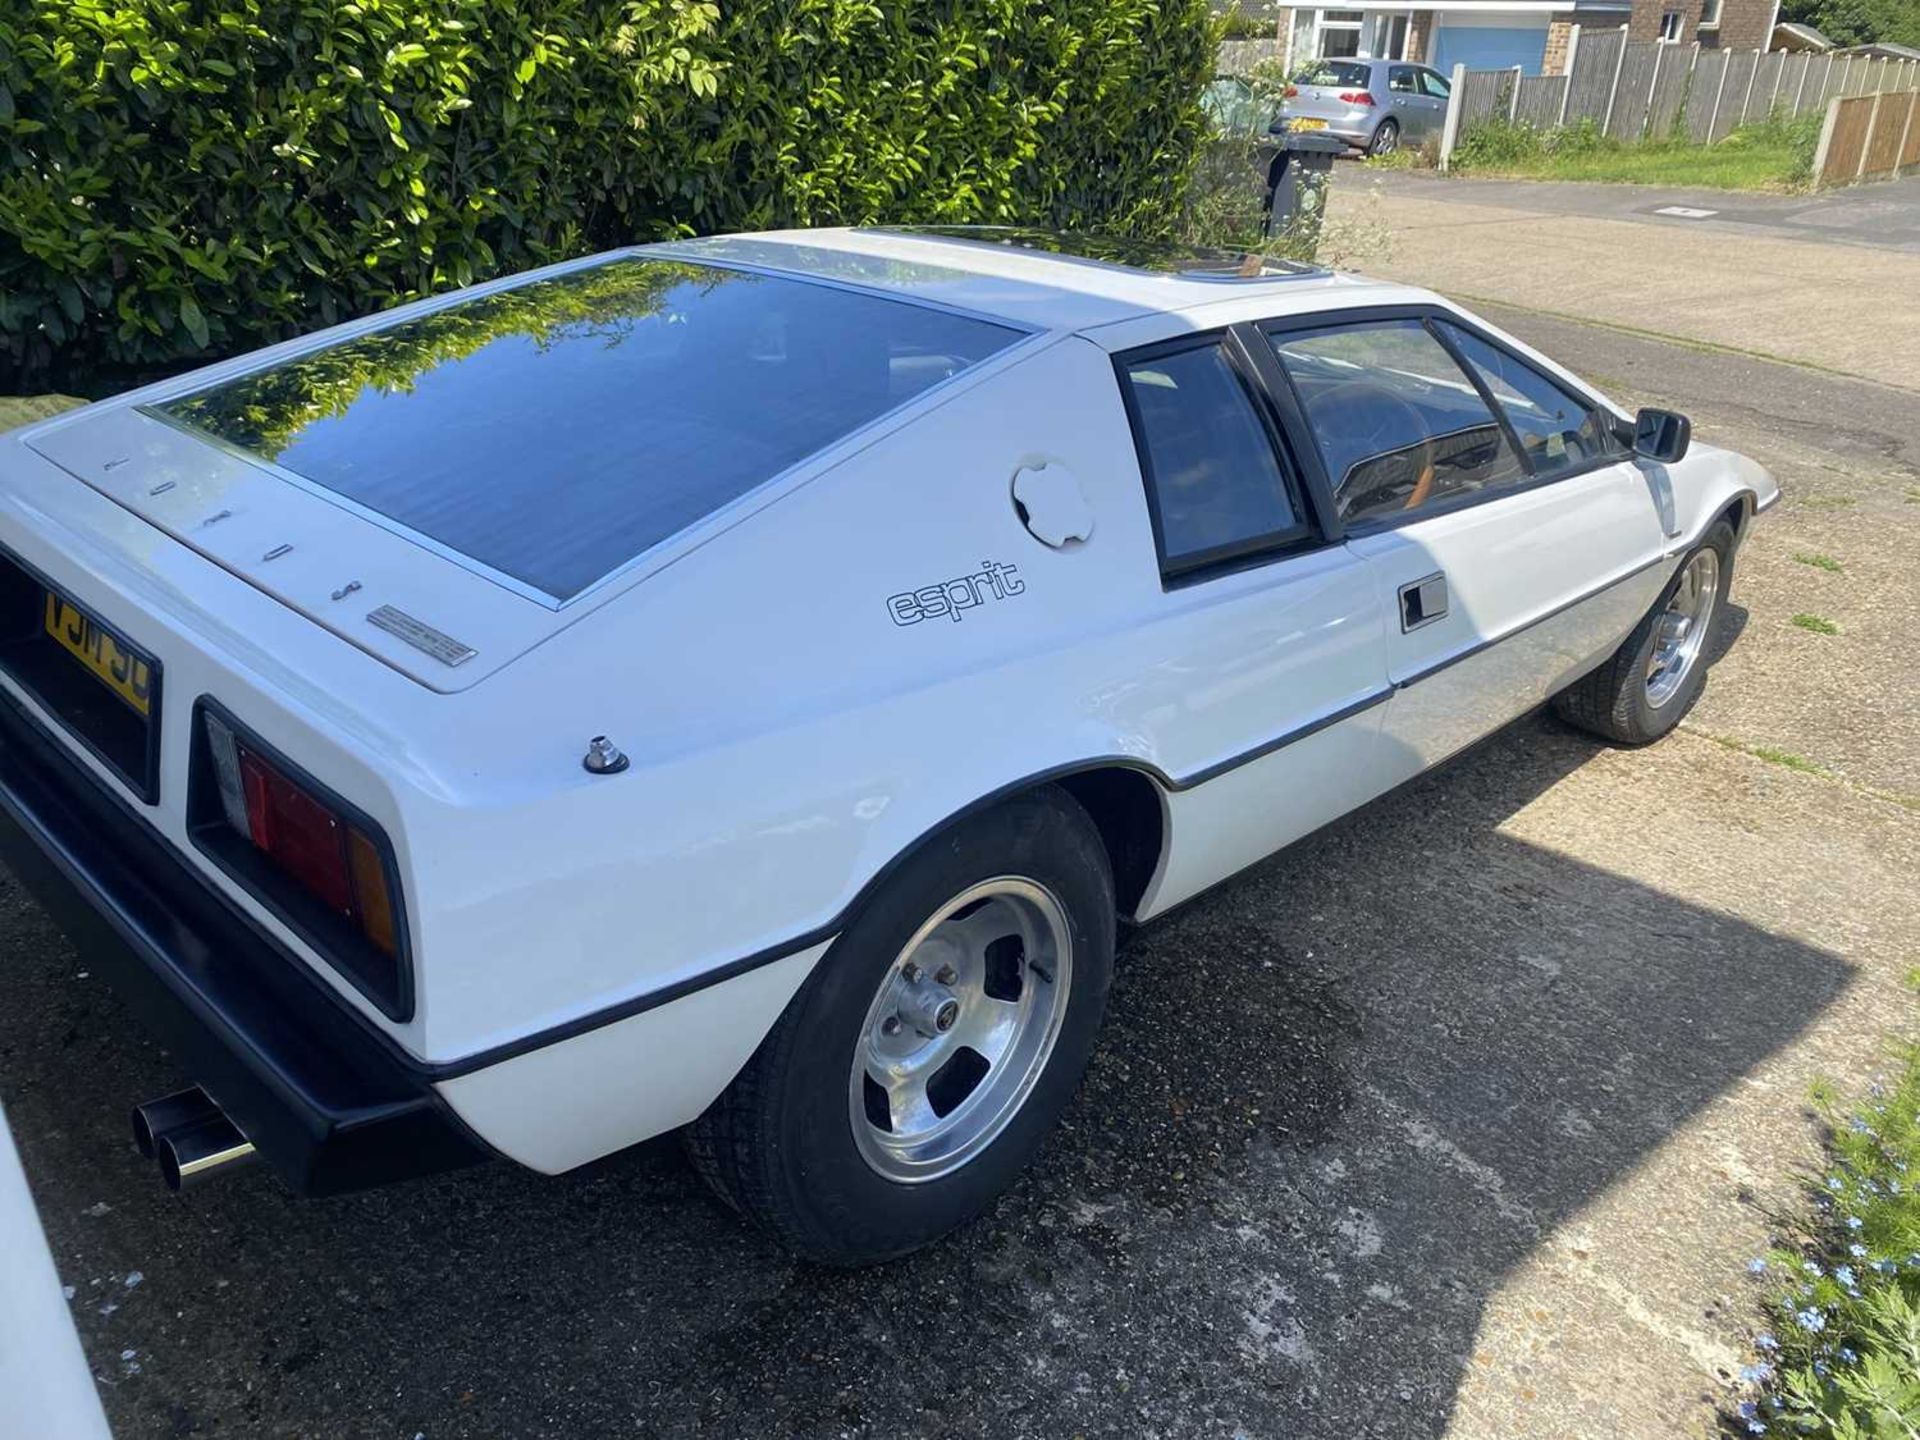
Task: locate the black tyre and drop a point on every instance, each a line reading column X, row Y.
column 1386, row 139
column 929, row 1054
column 1649, row 684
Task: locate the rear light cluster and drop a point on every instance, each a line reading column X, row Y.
column 1290, row 92
column 269, row 825
column 1357, row 97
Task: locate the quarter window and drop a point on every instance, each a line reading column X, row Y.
column 1214, row 478
column 1557, row 430
column 1399, row 425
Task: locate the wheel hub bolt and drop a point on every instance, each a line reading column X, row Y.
column 910, row 972
column 929, row 1008
column 946, row 975
column 890, row 1025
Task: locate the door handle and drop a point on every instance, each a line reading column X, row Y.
column 1423, row 601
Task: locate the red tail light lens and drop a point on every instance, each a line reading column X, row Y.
column 328, row 856
column 1290, row 92
column 1357, row 97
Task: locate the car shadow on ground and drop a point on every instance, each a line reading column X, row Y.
column 1337, row 1101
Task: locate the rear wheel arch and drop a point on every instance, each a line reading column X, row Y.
column 1128, row 807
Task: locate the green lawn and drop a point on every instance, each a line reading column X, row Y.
column 16, row 410
column 1775, row 155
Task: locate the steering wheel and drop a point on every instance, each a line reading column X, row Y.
column 1388, row 420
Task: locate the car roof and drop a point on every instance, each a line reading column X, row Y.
column 1040, row 279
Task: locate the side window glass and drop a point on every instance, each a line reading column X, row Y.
column 1400, row 80
column 1438, row 88
column 1213, row 476
column 1556, row 429
column 1398, row 423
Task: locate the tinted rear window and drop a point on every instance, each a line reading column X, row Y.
column 554, row 431
column 1332, row 72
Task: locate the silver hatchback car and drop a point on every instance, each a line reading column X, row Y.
column 1373, row 105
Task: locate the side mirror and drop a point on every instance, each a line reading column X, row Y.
column 1661, row 435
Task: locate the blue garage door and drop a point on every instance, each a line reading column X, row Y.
column 1488, row 48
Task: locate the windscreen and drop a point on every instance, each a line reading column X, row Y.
column 554, row 431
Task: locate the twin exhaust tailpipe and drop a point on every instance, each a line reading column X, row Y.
column 190, row 1138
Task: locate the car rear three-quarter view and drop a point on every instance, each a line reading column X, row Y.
column 742, row 685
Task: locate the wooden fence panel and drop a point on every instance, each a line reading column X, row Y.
column 1890, row 118
column 1630, row 95
column 1910, row 152
column 1240, row 57
column 1828, row 75
column 1708, row 71
column 1794, row 82
column 1483, row 94
column 1670, row 90
column 1763, row 96
column 1733, row 96
column 1847, row 130
column 1592, row 79
column 1539, row 100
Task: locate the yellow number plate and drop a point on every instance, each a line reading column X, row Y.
column 1306, row 124
column 128, row 675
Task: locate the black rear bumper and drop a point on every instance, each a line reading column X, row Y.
column 333, row 1105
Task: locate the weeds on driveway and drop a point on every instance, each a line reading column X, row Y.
column 1821, row 562
column 1841, row 1358
column 1818, row 624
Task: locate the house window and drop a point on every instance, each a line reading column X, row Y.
column 1710, row 15
column 1670, row 23
column 1339, row 34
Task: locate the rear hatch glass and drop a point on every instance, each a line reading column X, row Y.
column 1335, row 75
column 552, row 432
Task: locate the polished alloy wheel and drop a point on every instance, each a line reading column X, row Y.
column 961, row 1029
column 1680, row 633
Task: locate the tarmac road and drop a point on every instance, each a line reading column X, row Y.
column 1458, row 1118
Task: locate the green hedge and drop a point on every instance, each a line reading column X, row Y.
column 184, row 179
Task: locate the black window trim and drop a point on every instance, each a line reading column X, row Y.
column 1308, row 533
column 1428, row 315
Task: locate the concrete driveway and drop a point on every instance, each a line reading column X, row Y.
column 1459, row 1118
column 1830, row 281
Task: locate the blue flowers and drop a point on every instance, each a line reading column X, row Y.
column 1811, row 1268
column 1853, row 1222
column 1810, row 1320
column 1847, row 1355
column 1857, row 1251
column 1835, row 1184
column 1756, row 1374
column 1757, row 1265
column 1766, row 1343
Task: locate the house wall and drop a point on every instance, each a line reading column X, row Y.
column 1744, row 24
column 1420, row 36
column 1559, row 41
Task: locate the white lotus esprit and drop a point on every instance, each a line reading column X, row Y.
column 740, row 684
